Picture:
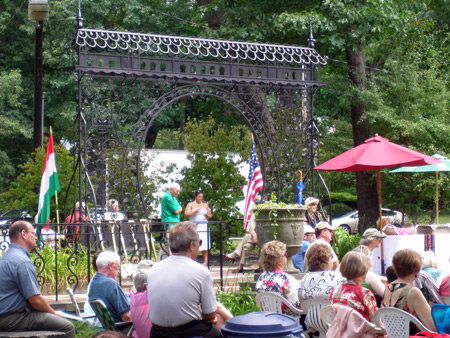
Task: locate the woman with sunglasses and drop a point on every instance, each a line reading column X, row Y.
column 199, row 212
column 273, row 259
column 312, row 216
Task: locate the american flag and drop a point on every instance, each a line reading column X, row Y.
column 255, row 184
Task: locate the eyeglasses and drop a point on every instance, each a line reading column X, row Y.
column 313, row 204
column 379, row 239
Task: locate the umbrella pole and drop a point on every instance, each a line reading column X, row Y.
column 437, row 197
column 381, row 218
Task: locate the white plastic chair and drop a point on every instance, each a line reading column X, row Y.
column 326, row 314
column 313, row 321
column 397, row 322
column 77, row 308
column 271, row 302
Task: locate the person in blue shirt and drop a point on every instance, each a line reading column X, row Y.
column 22, row 307
column 308, row 237
column 105, row 287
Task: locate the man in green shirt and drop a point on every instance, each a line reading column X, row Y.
column 170, row 207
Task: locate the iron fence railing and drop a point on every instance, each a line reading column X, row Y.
column 64, row 254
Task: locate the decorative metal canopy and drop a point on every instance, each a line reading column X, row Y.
column 174, row 46
column 196, row 59
column 126, row 79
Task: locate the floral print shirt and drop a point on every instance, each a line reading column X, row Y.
column 318, row 285
column 281, row 283
column 355, row 296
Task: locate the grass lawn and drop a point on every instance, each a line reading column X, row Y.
column 423, row 217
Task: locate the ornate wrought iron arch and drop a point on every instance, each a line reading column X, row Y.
column 125, row 80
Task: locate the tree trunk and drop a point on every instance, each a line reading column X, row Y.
column 150, row 138
column 366, row 187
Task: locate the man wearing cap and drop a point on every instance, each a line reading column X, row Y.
column 308, row 237
column 324, row 235
column 372, row 238
column 312, row 216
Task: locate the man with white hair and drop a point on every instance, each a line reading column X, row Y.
column 182, row 290
column 105, row 287
column 170, row 207
column 113, row 213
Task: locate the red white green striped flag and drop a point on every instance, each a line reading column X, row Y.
column 49, row 183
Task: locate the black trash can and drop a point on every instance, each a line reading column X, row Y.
column 262, row 324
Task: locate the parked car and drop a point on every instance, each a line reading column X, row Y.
column 13, row 215
column 349, row 222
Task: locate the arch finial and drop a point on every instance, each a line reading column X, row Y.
column 79, row 19
column 311, row 39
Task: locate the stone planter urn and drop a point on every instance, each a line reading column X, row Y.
column 285, row 225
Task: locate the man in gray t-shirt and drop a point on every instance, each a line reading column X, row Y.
column 180, row 291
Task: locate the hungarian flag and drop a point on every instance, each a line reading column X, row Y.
column 255, row 185
column 49, row 183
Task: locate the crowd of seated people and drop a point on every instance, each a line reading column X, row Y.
column 409, row 283
column 413, row 282
column 202, row 314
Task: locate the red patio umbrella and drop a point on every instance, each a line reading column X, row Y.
column 374, row 154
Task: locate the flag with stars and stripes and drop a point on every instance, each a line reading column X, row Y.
column 255, row 184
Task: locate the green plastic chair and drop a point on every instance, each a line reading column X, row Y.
column 106, row 319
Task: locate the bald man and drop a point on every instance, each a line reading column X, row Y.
column 22, row 307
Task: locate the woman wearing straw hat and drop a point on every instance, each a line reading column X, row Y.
column 312, row 216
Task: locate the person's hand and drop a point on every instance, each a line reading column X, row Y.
column 180, row 209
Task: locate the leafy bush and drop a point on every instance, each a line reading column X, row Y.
column 343, row 242
column 338, row 209
column 84, row 329
column 238, row 303
column 78, row 264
